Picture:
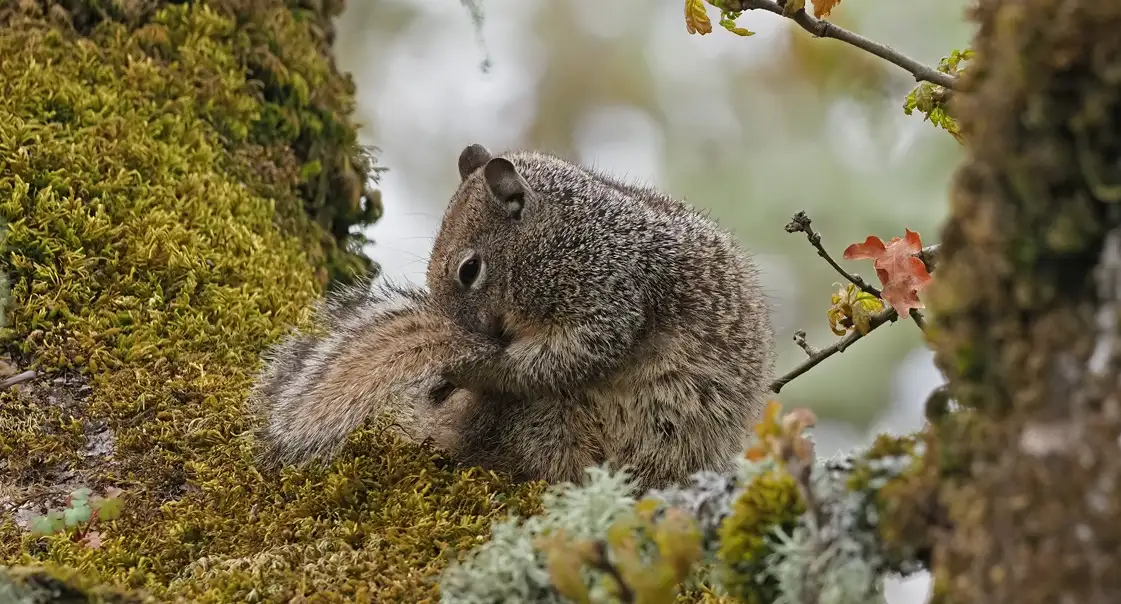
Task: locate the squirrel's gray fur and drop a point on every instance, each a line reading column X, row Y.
column 605, row 322
column 631, row 326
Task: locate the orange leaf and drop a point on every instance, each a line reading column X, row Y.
column 822, row 8
column 902, row 274
column 769, row 423
column 696, row 18
column 872, row 248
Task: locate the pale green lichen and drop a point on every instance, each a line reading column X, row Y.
column 757, row 541
column 510, row 568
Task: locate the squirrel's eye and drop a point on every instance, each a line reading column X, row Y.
column 469, row 270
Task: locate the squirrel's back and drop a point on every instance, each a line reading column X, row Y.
column 691, row 392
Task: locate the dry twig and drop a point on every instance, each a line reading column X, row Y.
column 800, row 340
column 824, row 29
column 19, row 378
column 887, row 316
column 801, row 224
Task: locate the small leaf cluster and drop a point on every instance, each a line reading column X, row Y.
column 931, row 99
column 697, row 20
column 781, row 436
column 82, row 512
column 852, row 308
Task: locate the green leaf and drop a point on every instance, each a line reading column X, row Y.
column 42, row 525
column 81, row 494
column 728, row 22
column 77, row 514
column 110, row 509
column 864, row 307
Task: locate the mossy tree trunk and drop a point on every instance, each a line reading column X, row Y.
column 1029, row 312
column 180, row 181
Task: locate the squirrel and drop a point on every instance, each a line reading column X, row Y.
column 569, row 319
column 375, row 350
column 626, row 322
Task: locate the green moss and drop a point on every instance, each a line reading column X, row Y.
column 48, row 585
column 898, row 477
column 864, row 473
column 770, row 502
column 5, row 288
column 272, row 94
column 161, row 235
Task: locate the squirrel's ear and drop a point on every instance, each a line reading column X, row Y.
column 504, row 182
column 472, row 158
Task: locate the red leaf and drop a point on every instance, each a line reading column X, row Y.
column 902, row 274
column 872, row 248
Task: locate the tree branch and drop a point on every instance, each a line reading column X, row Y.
column 801, row 224
column 929, row 256
column 825, row 29
column 800, row 340
column 887, row 316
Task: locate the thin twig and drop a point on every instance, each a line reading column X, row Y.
column 800, row 340
column 19, row 378
column 825, row 29
column 886, row 316
column 801, row 224
column 600, row 562
column 919, row 319
column 929, row 256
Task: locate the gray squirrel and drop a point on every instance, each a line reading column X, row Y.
column 574, row 319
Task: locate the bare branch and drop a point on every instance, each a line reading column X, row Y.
column 919, row 319
column 825, row 29
column 801, row 224
column 800, row 340
column 26, row 376
column 886, row 316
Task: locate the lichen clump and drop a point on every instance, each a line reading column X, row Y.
column 161, row 174
column 769, row 502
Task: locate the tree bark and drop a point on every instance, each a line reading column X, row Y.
column 1027, row 304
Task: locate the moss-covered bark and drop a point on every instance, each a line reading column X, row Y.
column 1027, row 300
column 176, row 178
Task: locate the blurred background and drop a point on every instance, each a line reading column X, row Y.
column 751, row 128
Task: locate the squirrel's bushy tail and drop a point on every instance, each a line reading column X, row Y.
column 316, row 388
